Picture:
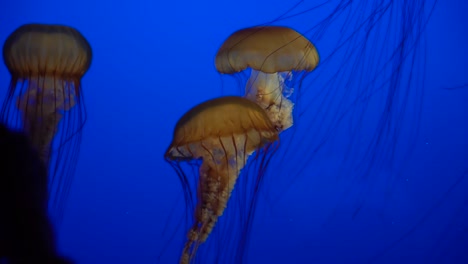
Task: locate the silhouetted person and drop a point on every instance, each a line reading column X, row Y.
column 26, row 235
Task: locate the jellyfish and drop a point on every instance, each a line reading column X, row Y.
column 272, row 53
column 46, row 63
column 366, row 96
column 223, row 133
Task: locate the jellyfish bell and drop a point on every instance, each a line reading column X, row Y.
column 223, row 133
column 46, row 63
column 273, row 53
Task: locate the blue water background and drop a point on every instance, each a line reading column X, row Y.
column 154, row 60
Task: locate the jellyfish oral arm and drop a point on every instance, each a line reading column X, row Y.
column 48, row 94
column 42, row 132
column 269, row 91
column 41, row 104
column 215, row 186
column 218, row 174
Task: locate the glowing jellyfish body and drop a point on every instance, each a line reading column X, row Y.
column 46, row 63
column 222, row 132
column 272, row 53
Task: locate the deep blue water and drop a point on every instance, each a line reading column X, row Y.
column 374, row 171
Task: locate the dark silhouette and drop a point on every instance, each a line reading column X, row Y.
column 26, row 235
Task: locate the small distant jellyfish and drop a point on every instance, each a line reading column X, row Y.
column 273, row 53
column 223, row 133
column 46, row 63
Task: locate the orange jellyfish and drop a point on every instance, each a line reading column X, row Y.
column 44, row 99
column 273, row 53
column 223, row 133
